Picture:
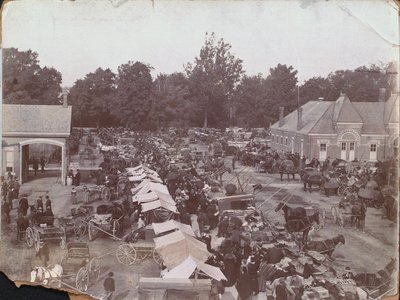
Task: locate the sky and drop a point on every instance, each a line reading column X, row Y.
column 316, row 37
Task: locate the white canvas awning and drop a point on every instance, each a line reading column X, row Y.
column 158, row 204
column 189, row 265
column 153, row 186
column 137, row 178
column 153, row 196
column 170, row 225
column 177, row 246
column 139, row 186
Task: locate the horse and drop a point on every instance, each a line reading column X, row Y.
column 297, row 219
column 358, row 211
column 310, row 178
column 287, row 166
column 47, row 276
column 326, row 246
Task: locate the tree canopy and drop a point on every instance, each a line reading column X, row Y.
column 25, row 82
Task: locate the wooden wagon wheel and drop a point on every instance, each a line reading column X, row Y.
column 106, row 194
column 80, row 227
column 36, row 240
column 63, row 241
column 126, row 254
column 82, row 279
column 29, row 237
column 334, row 214
column 157, row 257
column 94, row 269
column 93, row 231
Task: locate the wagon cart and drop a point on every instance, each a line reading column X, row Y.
column 41, row 230
column 107, row 219
column 127, row 252
column 76, row 223
column 79, row 268
column 138, row 244
column 96, row 192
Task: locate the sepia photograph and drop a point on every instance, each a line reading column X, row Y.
column 167, row 150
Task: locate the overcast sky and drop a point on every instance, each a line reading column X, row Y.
column 315, row 37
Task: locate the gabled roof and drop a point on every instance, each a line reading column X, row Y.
column 54, row 120
column 312, row 113
column 372, row 117
column 325, row 125
column 392, row 109
column 344, row 111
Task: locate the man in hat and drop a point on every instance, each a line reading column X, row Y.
column 48, row 202
column 77, row 178
column 109, row 285
column 39, row 203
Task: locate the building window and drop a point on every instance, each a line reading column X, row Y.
column 282, row 140
column 9, row 160
column 373, row 148
column 343, row 146
column 286, row 141
column 352, row 145
column 322, row 147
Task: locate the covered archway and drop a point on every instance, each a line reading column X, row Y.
column 26, row 156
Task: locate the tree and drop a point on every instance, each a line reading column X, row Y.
column 212, row 80
column 363, row 83
column 317, row 87
column 93, row 98
column 281, row 90
column 134, row 101
column 249, row 100
column 25, row 82
column 172, row 105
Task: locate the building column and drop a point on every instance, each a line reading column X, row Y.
column 64, row 164
column 301, row 148
column 292, row 145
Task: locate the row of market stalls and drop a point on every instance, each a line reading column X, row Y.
column 183, row 255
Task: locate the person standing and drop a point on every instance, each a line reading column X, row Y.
column 6, row 211
column 77, row 178
column 16, row 187
column 35, row 165
column 42, row 164
column 243, row 286
column 109, row 285
column 47, row 204
column 44, row 254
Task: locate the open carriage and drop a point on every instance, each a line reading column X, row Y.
column 107, row 219
column 41, row 229
column 76, row 223
column 79, row 268
column 96, row 192
column 138, row 245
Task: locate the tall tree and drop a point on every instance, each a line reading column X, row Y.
column 172, row 105
column 25, row 82
column 93, row 98
column 315, row 88
column 281, row 90
column 134, row 101
column 249, row 99
column 213, row 78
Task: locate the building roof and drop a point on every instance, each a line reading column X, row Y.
column 321, row 116
column 312, row 113
column 53, row 120
column 372, row 117
column 345, row 112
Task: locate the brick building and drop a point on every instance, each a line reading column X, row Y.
column 340, row 129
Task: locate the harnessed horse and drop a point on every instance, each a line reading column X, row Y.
column 297, row 219
column 46, row 276
column 326, row 246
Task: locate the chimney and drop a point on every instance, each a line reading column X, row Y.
column 382, row 94
column 65, row 99
column 299, row 118
column 281, row 110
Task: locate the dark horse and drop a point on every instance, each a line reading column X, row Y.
column 310, row 178
column 297, row 219
column 326, row 246
column 286, row 166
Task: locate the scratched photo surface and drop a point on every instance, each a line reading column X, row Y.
column 201, row 149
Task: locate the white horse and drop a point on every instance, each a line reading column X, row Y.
column 46, row 276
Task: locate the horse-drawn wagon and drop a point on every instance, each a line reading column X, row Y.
column 348, row 209
column 76, row 222
column 96, row 192
column 138, row 245
column 79, row 267
column 41, row 229
column 107, row 219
